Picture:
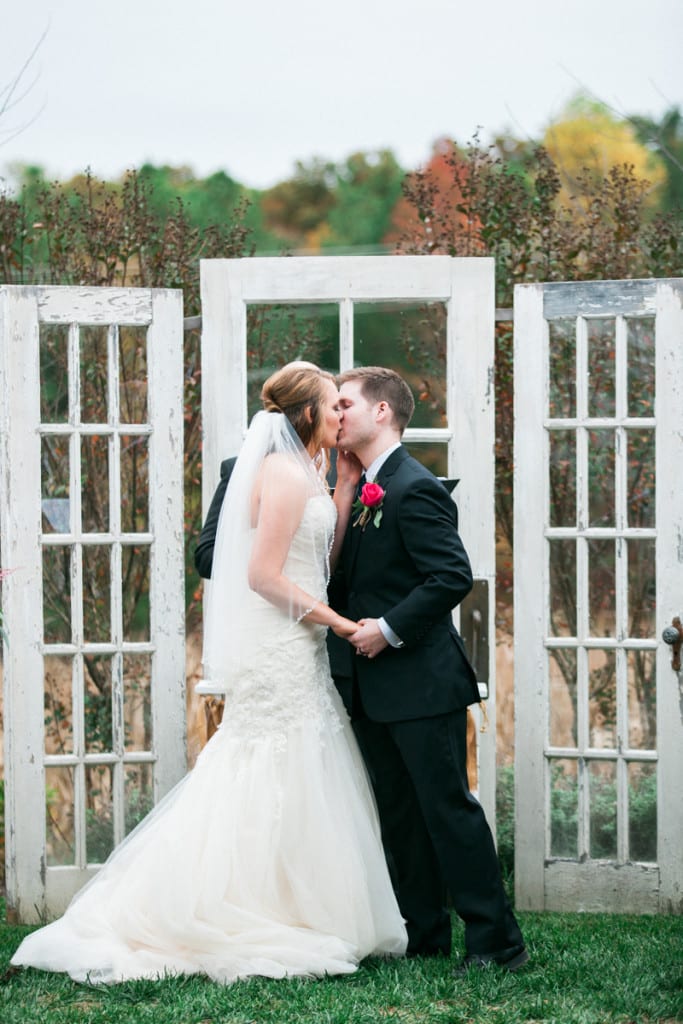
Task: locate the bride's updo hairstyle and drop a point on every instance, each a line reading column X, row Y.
column 298, row 390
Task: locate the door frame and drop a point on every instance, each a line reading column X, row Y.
column 36, row 890
column 466, row 287
column 542, row 881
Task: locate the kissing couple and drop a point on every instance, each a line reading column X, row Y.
column 313, row 831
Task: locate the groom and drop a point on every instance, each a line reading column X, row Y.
column 403, row 569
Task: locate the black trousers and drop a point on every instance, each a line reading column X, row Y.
column 435, row 833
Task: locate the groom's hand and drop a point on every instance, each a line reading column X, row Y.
column 368, row 639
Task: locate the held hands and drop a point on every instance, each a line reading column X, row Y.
column 345, row 628
column 368, row 639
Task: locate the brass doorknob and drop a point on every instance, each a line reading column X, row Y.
column 673, row 635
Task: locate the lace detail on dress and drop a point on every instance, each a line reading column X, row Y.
column 288, row 685
column 298, row 695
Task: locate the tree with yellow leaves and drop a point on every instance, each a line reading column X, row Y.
column 586, row 141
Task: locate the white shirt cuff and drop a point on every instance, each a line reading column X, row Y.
column 388, row 634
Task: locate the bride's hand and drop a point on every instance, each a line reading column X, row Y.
column 344, row 628
column 349, row 471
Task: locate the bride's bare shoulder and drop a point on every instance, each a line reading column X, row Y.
column 282, row 478
column 281, row 467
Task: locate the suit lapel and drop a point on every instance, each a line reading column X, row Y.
column 391, row 465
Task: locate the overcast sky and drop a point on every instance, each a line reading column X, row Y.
column 250, row 87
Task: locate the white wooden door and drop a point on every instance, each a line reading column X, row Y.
column 354, row 289
column 91, row 520
column 598, row 567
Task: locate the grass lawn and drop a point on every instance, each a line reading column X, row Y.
column 584, row 969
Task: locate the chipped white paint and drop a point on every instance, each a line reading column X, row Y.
column 669, row 414
column 66, row 305
column 466, row 286
column 34, row 890
column 544, row 881
column 531, row 584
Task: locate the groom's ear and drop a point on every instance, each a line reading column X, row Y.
column 384, row 411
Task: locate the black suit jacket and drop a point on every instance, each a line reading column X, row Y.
column 412, row 570
column 203, row 553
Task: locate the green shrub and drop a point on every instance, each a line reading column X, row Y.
column 564, row 817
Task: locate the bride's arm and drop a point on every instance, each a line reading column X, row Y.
column 280, row 499
column 349, row 472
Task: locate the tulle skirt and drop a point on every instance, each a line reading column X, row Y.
column 265, row 860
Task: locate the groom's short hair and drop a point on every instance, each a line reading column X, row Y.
column 379, row 384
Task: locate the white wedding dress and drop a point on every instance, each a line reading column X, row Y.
column 266, row 859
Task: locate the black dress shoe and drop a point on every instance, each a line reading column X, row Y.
column 511, row 959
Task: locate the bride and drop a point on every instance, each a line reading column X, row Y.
column 266, row 859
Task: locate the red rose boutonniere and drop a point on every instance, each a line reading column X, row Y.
column 368, row 506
